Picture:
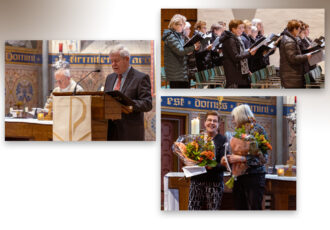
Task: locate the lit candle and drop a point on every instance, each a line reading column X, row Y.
column 195, row 126
column 40, row 116
column 60, row 47
column 26, row 109
column 280, row 172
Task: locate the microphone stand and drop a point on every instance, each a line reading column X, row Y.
column 75, row 88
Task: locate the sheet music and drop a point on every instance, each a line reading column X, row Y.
column 317, row 56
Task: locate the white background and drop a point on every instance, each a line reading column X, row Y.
column 117, row 185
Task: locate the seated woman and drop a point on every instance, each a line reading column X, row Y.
column 235, row 61
column 175, row 55
column 291, row 59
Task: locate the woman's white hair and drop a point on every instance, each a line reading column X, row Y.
column 64, row 71
column 176, row 19
column 242, row 114
column 254, row 29
column 256, row 21
column 122, row 50
column 188, row 25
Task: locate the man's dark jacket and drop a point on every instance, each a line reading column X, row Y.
column 136, row 87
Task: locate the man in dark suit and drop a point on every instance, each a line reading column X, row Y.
column 136, row 86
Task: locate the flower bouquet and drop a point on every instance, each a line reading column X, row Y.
column 244, row 144
column 195, row 150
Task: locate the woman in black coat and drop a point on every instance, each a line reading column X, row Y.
column 235, row 56
column 291, row 59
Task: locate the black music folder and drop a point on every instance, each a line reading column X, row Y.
column 120, row 97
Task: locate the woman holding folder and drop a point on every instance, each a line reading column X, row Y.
column 235, row 56
column 291, row 59
column 175, row 54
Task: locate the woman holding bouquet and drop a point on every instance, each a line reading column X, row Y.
column 206, row 189
column 249, row 185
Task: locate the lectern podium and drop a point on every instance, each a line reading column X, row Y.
column 103, row 108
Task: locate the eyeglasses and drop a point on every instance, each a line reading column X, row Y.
column 211, row 120
column 58, row 81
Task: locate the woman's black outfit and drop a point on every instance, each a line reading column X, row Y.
column 259, row 61
column 206, row 189
column 291, row 62
column 249, row 188
column 216, row 55
column 235, row 61
column 203, row 56
column 191, row 63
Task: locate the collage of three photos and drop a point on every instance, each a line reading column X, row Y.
column 217, row 152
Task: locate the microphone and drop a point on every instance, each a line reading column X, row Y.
column 75, row 88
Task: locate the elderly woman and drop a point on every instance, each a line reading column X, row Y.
column 253, row 35
column 291, row 59
column 191, row 60
column 235, row 56
column 175, row 54
column 203, row 55
column 246, row 34
column 216, row 54
column 248, row 187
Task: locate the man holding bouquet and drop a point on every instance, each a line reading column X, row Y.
column 206, row 189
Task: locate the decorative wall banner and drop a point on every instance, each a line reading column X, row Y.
column 13, row 57
column 191, row 103
column 93, row 59
column 287, row 109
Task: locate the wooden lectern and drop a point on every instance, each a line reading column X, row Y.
column 104, row 108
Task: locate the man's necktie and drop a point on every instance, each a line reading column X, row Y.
column 117, row 87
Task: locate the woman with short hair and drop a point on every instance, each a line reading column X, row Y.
column 235, row 61
column 246, row 34
column 216, row 53
column 203, row 55
column 291, row 58
column 249, row 187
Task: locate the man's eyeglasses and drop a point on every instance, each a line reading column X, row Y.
column 211, row 120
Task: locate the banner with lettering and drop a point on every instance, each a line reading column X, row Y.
column 201, row 104
column 83, row 59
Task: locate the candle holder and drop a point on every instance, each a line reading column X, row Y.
column 61, row 62
column 280, row 172
column 41, row 116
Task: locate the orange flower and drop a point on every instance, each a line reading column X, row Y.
column 208, row 154
column 195, row 144
column 269, row 146
column 243, row 135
